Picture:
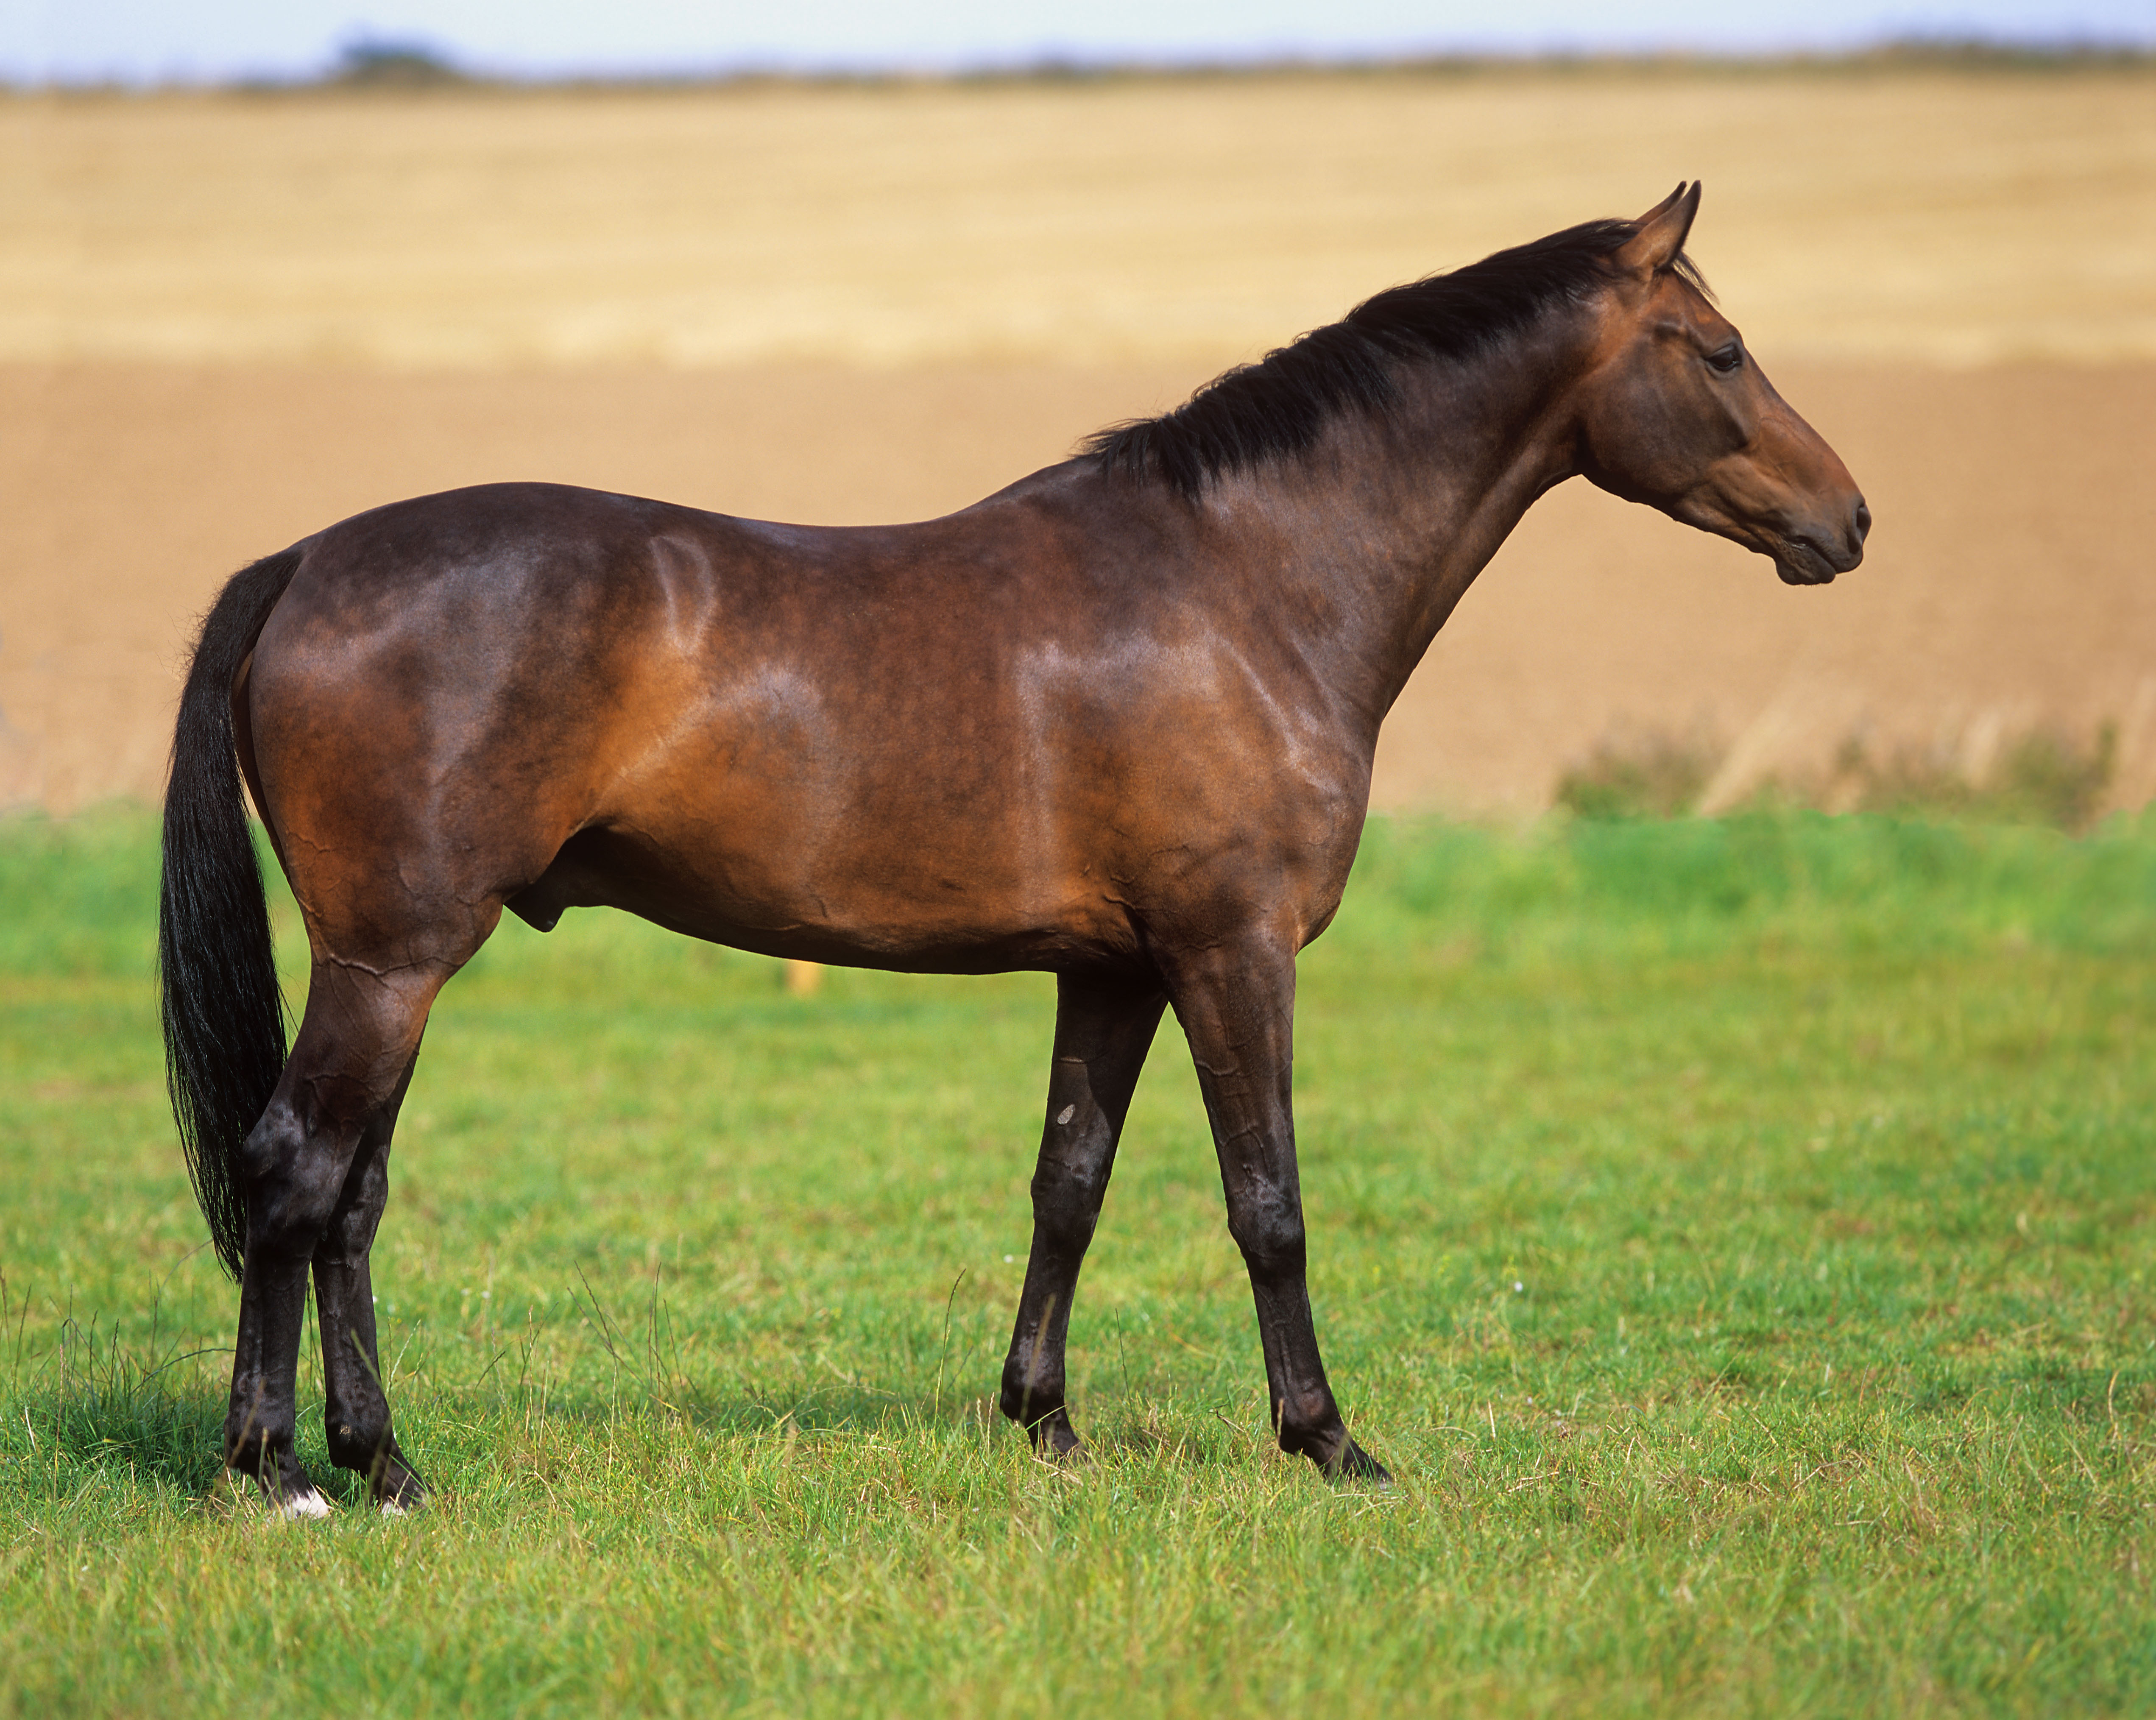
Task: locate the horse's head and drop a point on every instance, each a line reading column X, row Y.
column 1674, row 412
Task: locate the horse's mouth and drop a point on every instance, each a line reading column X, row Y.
column 1798, row 561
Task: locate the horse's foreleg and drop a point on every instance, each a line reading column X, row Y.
column 356, row 1411
column 1103, row 1029
column 1237, row 1006
column 355, row 1043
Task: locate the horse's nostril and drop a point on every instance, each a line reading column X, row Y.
column 1863, row 520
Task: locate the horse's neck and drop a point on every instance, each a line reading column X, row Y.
column 1386, row 526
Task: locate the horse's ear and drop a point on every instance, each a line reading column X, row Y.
column 1660, row 234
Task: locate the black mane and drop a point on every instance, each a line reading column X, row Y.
column 1278, row 406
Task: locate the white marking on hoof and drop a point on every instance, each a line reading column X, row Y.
column 1067, row 1112
column 390, row 1508
column 299, row 1505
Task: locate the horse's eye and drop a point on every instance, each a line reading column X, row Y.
column 1727, row 358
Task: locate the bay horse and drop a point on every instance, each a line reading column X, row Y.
column 1114, row 722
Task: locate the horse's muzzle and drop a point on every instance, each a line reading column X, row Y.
column 1800, row 559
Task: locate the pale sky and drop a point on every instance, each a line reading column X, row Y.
column 151, row 41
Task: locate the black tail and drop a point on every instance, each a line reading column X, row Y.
column 225, row 1017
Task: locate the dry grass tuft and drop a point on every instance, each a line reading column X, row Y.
column 2043, row 775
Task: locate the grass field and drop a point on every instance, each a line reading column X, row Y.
column 1738, row 1235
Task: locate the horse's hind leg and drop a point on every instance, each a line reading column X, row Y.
column 347, row 1067
column 356, row 1411
column 1103, row 1031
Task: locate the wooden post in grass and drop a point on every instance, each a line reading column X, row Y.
column 802, row 978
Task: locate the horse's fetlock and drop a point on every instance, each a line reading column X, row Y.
column 360, row 1445
column 255, row 1448
column 1028, row 1398
column 1309, row 1424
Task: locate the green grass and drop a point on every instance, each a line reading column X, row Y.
column 1736, row 1235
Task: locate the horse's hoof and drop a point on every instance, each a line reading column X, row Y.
column 400, row 1496
column 287, row 1493
column 1352, row 1463
column 1055, row 1440
column 296, row 1504
column 393, row 1485
column 407, row 1499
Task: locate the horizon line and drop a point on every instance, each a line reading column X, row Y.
column 402, row 63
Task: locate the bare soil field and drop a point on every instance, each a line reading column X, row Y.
column 225, row 321
column 2009, row 585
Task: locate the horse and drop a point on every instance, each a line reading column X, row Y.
column 1114, row 722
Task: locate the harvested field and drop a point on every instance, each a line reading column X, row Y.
column 226, row 320
column 1924, row 215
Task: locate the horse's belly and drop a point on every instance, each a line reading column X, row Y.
column 912, row 907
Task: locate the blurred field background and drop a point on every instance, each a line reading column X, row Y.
column 228, row 319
